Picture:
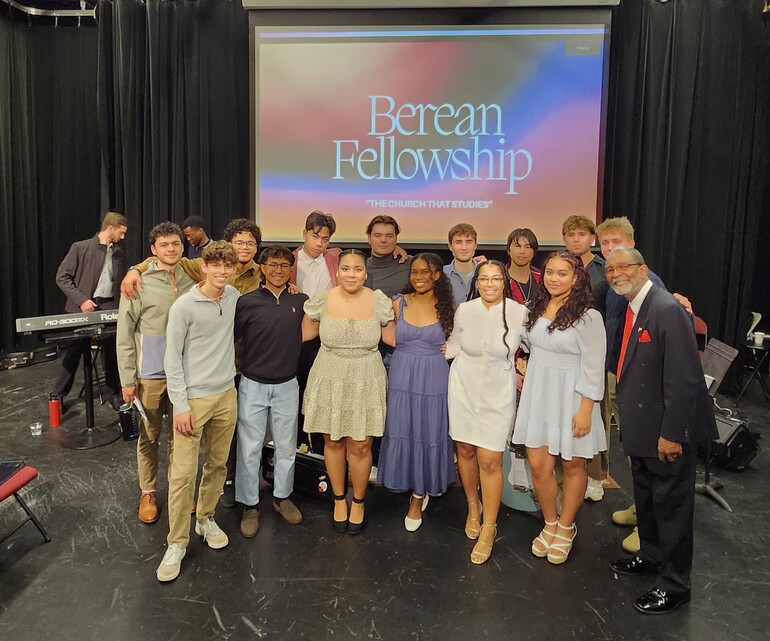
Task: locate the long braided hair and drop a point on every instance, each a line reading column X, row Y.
column 577, row 304
column 474, row 293
column 442, row 289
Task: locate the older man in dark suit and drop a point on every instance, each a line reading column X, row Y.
column 664, row 408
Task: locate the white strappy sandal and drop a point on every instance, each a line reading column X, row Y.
column 559, row 552
column 542, row 552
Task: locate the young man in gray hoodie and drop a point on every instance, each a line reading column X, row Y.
column 200, row 372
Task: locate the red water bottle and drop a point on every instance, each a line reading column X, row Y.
column 54, row 410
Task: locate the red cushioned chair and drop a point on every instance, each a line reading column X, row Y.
column 11, row 486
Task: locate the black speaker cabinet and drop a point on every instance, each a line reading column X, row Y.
column 310, row 476
column 736, row 446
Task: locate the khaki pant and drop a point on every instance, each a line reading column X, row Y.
column 599, row 467
column 215, row 417
column 152, row 395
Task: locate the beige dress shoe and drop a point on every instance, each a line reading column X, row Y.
column 631, row 543
column 625, row 517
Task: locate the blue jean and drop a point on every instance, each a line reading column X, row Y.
column 255, row 402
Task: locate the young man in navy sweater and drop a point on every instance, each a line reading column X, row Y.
column 268, row 324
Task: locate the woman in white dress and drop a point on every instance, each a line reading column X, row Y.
column 558, row 415
column 482, row 396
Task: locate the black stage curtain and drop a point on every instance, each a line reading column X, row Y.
column 49, row 161
column 174, row 113
column 687, row 155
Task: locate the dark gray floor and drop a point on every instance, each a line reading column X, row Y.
column 96, row 579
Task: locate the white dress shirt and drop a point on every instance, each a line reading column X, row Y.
column 636, row 304
column 312, row 274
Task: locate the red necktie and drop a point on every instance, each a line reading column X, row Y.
column 626, row 335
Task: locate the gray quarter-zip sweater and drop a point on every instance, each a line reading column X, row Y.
column 200, row 353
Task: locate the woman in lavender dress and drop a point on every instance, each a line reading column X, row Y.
column 416, row 452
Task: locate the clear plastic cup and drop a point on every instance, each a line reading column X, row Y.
column 36, row 428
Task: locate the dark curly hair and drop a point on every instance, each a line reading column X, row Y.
column 238, row 225
column 165, row 229
column 474, row 293
column 577, row 304
column 442, row 288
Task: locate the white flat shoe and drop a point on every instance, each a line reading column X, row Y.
column 413, row 525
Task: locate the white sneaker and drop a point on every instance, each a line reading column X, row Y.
column 594, row 490
column 171, row 564
column 211, row 533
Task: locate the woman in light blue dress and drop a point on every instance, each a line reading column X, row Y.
column 558, row 415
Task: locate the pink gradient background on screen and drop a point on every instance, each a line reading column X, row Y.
column 308, row 100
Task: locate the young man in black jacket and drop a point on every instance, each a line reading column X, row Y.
column 90, row 276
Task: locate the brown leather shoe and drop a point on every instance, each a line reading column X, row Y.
column 288, row 511
column 148, row 508
column 250, row 522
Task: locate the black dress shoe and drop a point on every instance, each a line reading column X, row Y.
column 340, row 526
column 632, row 565
column 356, row 528
column 658, row 601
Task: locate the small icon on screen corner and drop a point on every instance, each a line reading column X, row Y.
column 582, row 47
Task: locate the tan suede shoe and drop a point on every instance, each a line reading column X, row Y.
column 250, row 522
column 288, row 511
